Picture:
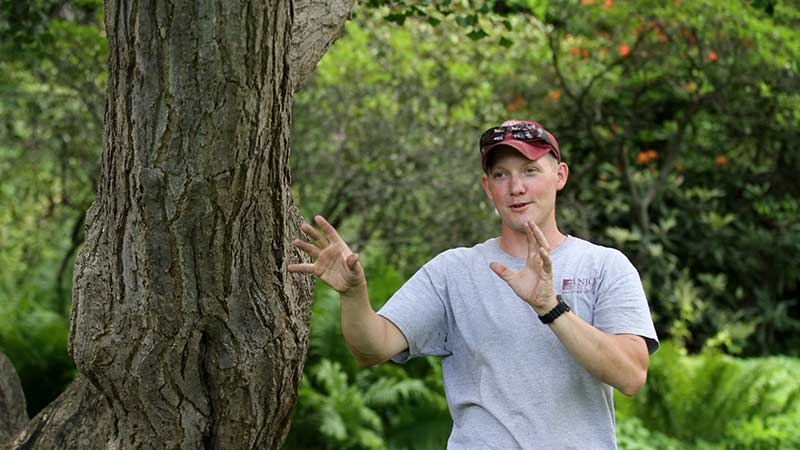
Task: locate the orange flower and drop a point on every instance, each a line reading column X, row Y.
column 624, row 50
column 691, row 38
column 516, row 104
column 712, row 55
column 575, row 51
column 554, row 95
column 680, row 166
column 646, row 156
column 721, row 160
column 608, row 4
column 662, row 36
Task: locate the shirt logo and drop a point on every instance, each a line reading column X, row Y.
column 578, row 285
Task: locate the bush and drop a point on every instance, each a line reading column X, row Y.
column 776, row 432
column 732, row 403
column 35, row 340
column 633, row 435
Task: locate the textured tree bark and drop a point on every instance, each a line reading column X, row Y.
column 79, row 419
column 317, row 24
column 185, row 326
column 13, row 414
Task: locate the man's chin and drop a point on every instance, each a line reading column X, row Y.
column 519, row 226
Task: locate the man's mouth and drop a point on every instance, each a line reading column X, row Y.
column 517, row 206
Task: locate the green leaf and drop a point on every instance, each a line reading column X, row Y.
column 397, row 18
column 467, row 21
column 477, row 34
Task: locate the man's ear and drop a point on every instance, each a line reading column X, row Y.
column 562, row 174
column 485, row 184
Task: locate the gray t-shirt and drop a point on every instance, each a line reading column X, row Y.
column 509, row 382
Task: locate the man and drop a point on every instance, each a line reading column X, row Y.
column 535, row 327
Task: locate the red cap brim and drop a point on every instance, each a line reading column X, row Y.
column 530, row 150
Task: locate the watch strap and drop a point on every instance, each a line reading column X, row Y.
column 554, row 313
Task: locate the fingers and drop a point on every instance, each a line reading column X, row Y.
column 327, row 228
column 328, row 234
column 547, row 263
column 538, row 249
column 301, row 268
column 501, row 270
column 533, row 242
column 307, row 247
column 538, row 235
column 352, row 260
column 311, row 232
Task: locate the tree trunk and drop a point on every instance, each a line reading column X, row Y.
column 185, row 326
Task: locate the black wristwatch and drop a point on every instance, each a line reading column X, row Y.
column 560, row 309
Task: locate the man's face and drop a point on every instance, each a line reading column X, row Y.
column 524, row 190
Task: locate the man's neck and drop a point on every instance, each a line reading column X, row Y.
column 515, row 243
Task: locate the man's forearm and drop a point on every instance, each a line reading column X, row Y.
column 371, row 338
column 618, row 360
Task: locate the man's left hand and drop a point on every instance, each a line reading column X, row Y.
column 534, row 282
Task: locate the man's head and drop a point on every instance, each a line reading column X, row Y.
column 527, row 137
column 522, row 174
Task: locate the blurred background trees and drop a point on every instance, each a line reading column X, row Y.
column 679, row 121
column 52, row 87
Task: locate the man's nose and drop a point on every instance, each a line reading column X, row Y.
column 517, row 186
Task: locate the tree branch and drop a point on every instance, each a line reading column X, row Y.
column 13, row 414
column 81, row 414
column 317, row 24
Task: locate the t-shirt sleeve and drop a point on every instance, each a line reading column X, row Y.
column 418, row 310
column 621, row 305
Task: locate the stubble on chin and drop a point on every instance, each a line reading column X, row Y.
column 519, row 225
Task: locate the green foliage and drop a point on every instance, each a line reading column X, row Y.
column 25, row 27
column 52, row 82
column 769, row 433
column 714, row 398
column 481, row 20
column 336, row 410
column 382, row 408
column 632, row 434
column 670, row 116
column 35, row 339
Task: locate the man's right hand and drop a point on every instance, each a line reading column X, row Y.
column 333, row 261
column 371, row 338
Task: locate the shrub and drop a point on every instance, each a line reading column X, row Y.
column 714, row 398
column 35, row 340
